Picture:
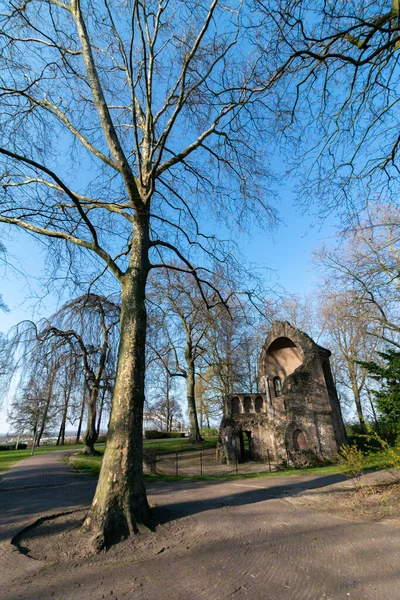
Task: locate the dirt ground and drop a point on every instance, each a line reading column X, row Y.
column 56, row 540
column 215, row 540
column 367, row 501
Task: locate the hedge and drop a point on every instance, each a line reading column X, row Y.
column 153, row 434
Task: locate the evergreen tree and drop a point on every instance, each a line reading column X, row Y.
column 388, row 376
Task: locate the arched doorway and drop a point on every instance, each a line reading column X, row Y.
column 300, row 440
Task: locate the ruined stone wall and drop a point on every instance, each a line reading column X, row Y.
column 299, row 415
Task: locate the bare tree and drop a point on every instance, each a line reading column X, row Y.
column 365, row 263
column 340, row 97
column 181, row 320
column 160, row 106
column 346, row 322
column 88, row 326
column 34, row 407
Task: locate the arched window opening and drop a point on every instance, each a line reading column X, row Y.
column 277, row 386
column 299, row 440
column 235, row 406
column 247, row 405
column 259, row 404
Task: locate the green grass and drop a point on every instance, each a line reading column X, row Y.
column 86, row 464
column 179, row 445
column 8, row 458
column 92, row 464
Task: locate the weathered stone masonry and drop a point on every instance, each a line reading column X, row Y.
column 296, row 417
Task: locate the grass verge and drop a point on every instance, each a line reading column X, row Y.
column 92, row 464
column 9, row 458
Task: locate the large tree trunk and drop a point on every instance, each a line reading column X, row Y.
column 120, row 505
column 194, row 436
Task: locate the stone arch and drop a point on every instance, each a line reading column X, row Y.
column 280, row 358
column 259, row 404
column 235, row 405
column 247, row 405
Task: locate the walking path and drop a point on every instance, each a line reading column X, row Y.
column 232, row 539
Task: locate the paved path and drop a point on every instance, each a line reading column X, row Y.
column 238, row 540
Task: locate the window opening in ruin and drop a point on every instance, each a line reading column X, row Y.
column 235, row 406
column 247, row 405
column 299, row 440
column 250, row 451
column 277, row 386
column 259, row 404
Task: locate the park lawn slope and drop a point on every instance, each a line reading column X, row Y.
column 8, row 458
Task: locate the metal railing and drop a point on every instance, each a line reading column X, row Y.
column 200, row 463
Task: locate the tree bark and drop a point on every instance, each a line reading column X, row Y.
column 90, row 436
column 357, row 399
column 78, row 433
column 46, row 408
column 120, row 506
column 101, row 411
column 194, row 436
column 61, row 435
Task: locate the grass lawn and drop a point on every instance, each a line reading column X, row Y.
column 179, row 445
column 8, row 458
column 92, row 464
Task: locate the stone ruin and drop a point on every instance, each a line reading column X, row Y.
column 295, row 418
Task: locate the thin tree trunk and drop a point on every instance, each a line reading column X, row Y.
column 373, row 408
column 43, row 421
column 61, row 435
column 90, row 436
column 101, row 411
column 120, row 506
column 46, row 409
column 78, row 433
column 194, row 436
column 357, row 399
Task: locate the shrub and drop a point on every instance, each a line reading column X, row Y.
column 210, row 431
column 391, row 452
column 153, row 434
column 351, row 462
column 21, row 446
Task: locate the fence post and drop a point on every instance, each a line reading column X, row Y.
column 176, row 463
column 154, row 464
column 201, row 463
column 269, row 461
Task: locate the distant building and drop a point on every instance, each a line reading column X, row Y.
column 296, row 417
